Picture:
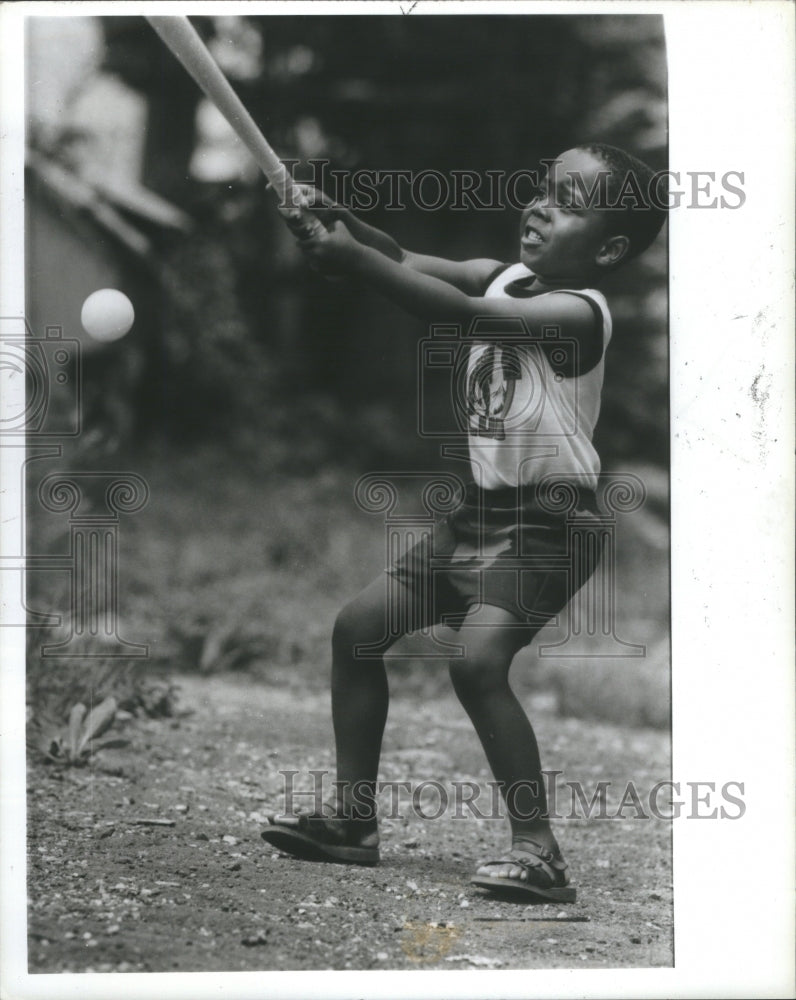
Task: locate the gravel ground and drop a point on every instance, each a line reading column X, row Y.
column 151, row 860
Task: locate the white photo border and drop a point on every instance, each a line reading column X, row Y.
column 731, row 85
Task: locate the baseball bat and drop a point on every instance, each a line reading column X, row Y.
column 179, row 35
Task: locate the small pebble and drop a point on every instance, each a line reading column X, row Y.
column 261, row 937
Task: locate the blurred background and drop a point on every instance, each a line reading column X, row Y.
column 251, row 394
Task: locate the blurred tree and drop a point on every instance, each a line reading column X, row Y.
column 134, row 53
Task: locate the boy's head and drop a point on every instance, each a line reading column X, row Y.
column 598, row 207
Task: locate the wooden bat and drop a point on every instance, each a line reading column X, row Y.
column 179, row 35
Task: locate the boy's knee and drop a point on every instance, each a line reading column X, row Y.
column 477, row 674
column 356, row 624
column 345, row 633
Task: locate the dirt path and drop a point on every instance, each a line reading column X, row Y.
column 111, row 893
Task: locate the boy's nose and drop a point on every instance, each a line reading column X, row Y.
column 539, row 210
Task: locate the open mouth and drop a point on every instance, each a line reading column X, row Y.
column 532, row 237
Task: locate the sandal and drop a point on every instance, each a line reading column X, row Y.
column 316, row 837
column 546, row 876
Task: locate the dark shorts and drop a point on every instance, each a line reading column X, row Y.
column 523, row 552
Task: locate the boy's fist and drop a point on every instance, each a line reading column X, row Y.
column 331, row 250
column 301, row 221
column 321, row 204
column 313, row 203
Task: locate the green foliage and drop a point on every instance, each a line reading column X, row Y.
column 626, row 692
column 58, row 691
column 243, row 568
column 78, row 742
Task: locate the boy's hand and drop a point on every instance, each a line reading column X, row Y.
column 332, row 251
column 322, row 205
column 313, row 202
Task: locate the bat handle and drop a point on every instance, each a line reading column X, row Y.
column 302, row 222
column 304, row 225
column 312, row 225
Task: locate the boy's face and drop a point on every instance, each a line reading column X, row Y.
column 560, row 236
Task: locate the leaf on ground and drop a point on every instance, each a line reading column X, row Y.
column 114, row 744
column 99, row 720
column 76, row 716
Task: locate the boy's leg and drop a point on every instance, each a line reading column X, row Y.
column 491, row 638
column 359, row 685
column 347, row 829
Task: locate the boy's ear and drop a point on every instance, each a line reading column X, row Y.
column 612, row 251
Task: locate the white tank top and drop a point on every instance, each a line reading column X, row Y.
column 525, row 421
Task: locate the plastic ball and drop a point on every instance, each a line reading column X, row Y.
column 107, row 314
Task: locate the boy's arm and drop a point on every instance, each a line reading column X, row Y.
column 370, row 236
column 329, row 212
column 438, row 301
column 470, row 276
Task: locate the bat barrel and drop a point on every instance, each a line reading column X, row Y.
column 179, row 35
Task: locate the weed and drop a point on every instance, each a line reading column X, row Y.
column 78, row 742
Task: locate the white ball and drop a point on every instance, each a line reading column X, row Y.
column 107, row 314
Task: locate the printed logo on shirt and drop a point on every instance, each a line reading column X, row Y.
column 490, row 391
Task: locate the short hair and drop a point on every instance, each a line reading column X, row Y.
column 631, row 180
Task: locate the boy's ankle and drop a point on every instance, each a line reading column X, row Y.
column 361, row 814
column 355, row 828
column 542, row 838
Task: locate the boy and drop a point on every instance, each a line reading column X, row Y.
column 531, row 411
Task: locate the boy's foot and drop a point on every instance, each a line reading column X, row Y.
column 316, row 837
column 529, row 870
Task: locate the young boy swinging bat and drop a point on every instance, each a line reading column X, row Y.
column 531, row 409
column 503, row 529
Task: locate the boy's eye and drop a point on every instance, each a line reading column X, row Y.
column 565, row 201
column 569, row 201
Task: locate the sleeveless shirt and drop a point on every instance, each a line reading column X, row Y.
column 525, row 420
